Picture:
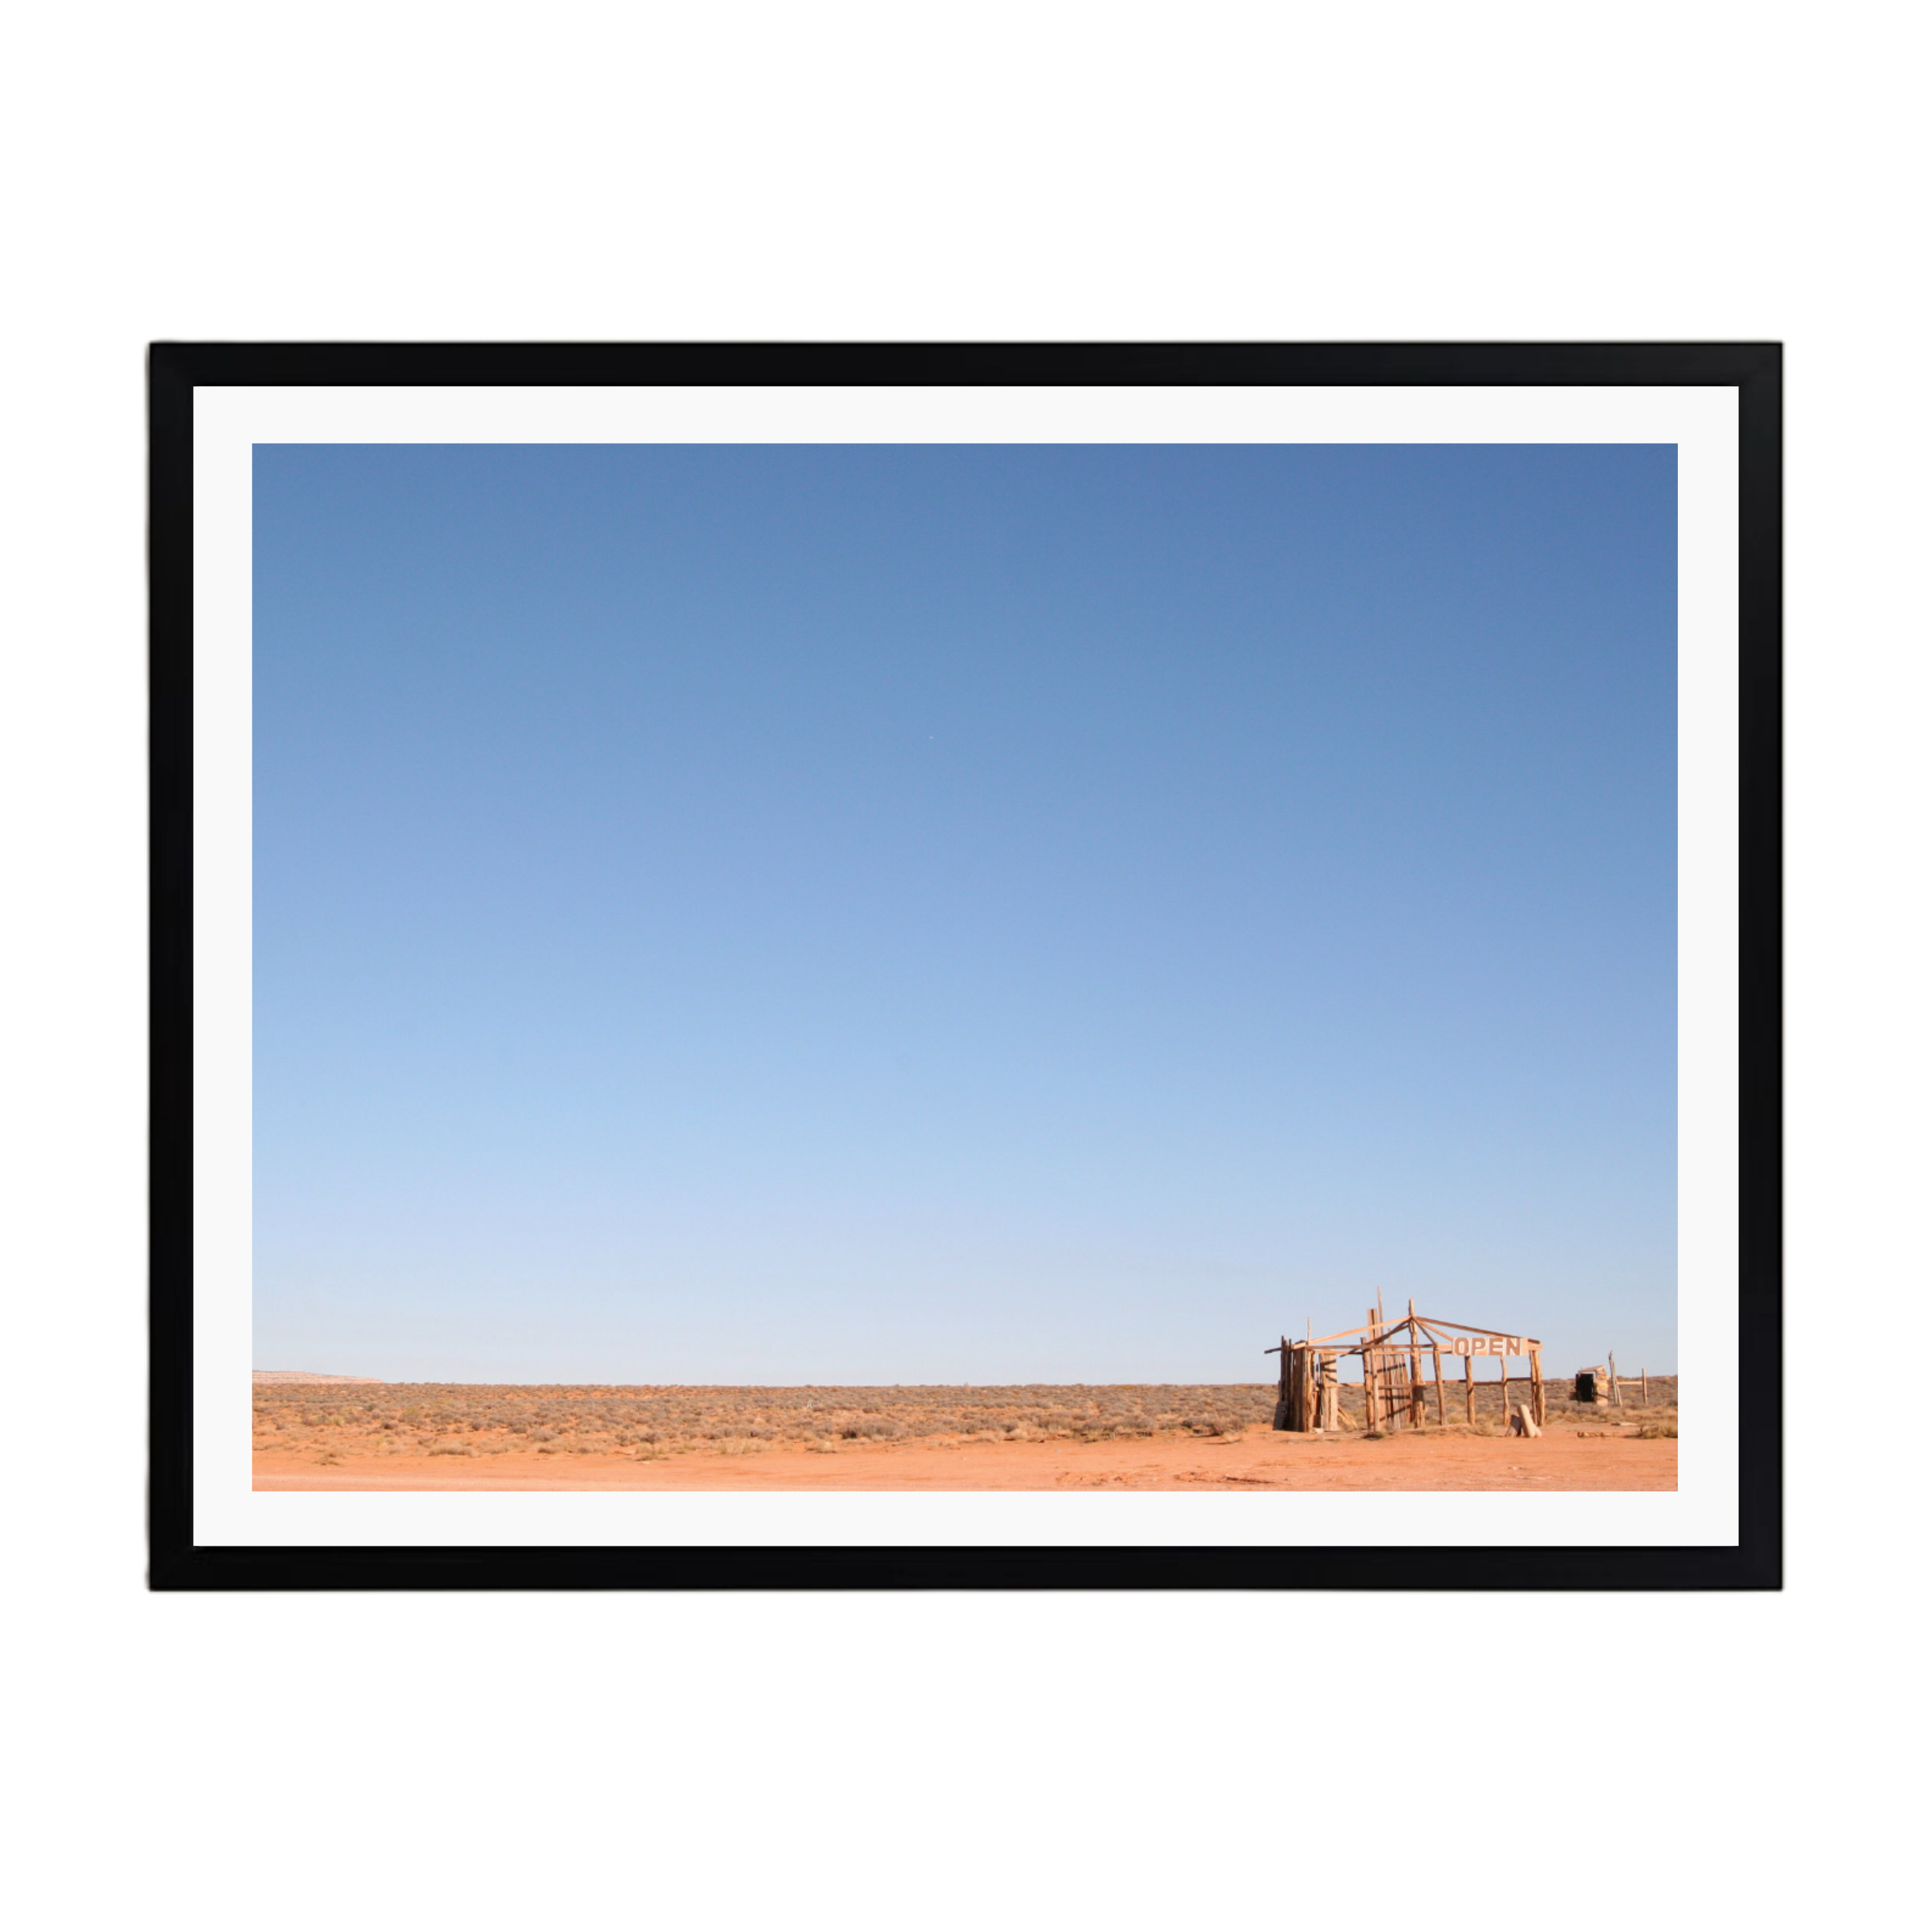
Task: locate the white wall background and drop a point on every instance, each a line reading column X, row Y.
column 847, row 170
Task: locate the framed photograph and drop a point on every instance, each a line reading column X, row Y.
column 965, row 966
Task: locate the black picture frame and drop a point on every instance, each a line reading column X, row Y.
column 177, row 369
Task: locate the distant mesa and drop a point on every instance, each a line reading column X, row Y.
column 304, row 1376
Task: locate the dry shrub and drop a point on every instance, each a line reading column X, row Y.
column 430, row 1418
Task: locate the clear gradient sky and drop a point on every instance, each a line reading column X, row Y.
column 959, row 913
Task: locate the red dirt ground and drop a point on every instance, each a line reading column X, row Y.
column 1560, row 1460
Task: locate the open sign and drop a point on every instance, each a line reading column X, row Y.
column 1490, row 1345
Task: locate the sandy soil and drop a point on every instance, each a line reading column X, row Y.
column 1563, row 1459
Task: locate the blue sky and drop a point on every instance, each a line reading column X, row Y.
column 959, row 913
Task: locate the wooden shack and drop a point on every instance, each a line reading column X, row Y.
column 1398, row 1365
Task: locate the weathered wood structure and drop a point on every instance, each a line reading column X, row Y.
column 1396, row 1393
column 1604, row 1388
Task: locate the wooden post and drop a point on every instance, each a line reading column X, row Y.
column 1616, row 1386
column 1441, row 1413
column 1417, row 1411
column 1469, row 1388
column 1644, row 1375
column 1390, row 1364
column 1372, row 1392
column 1536, row 1408
column 1503, row 1363
column 1281, row 1396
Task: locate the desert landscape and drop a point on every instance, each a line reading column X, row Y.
column 317, row 1431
